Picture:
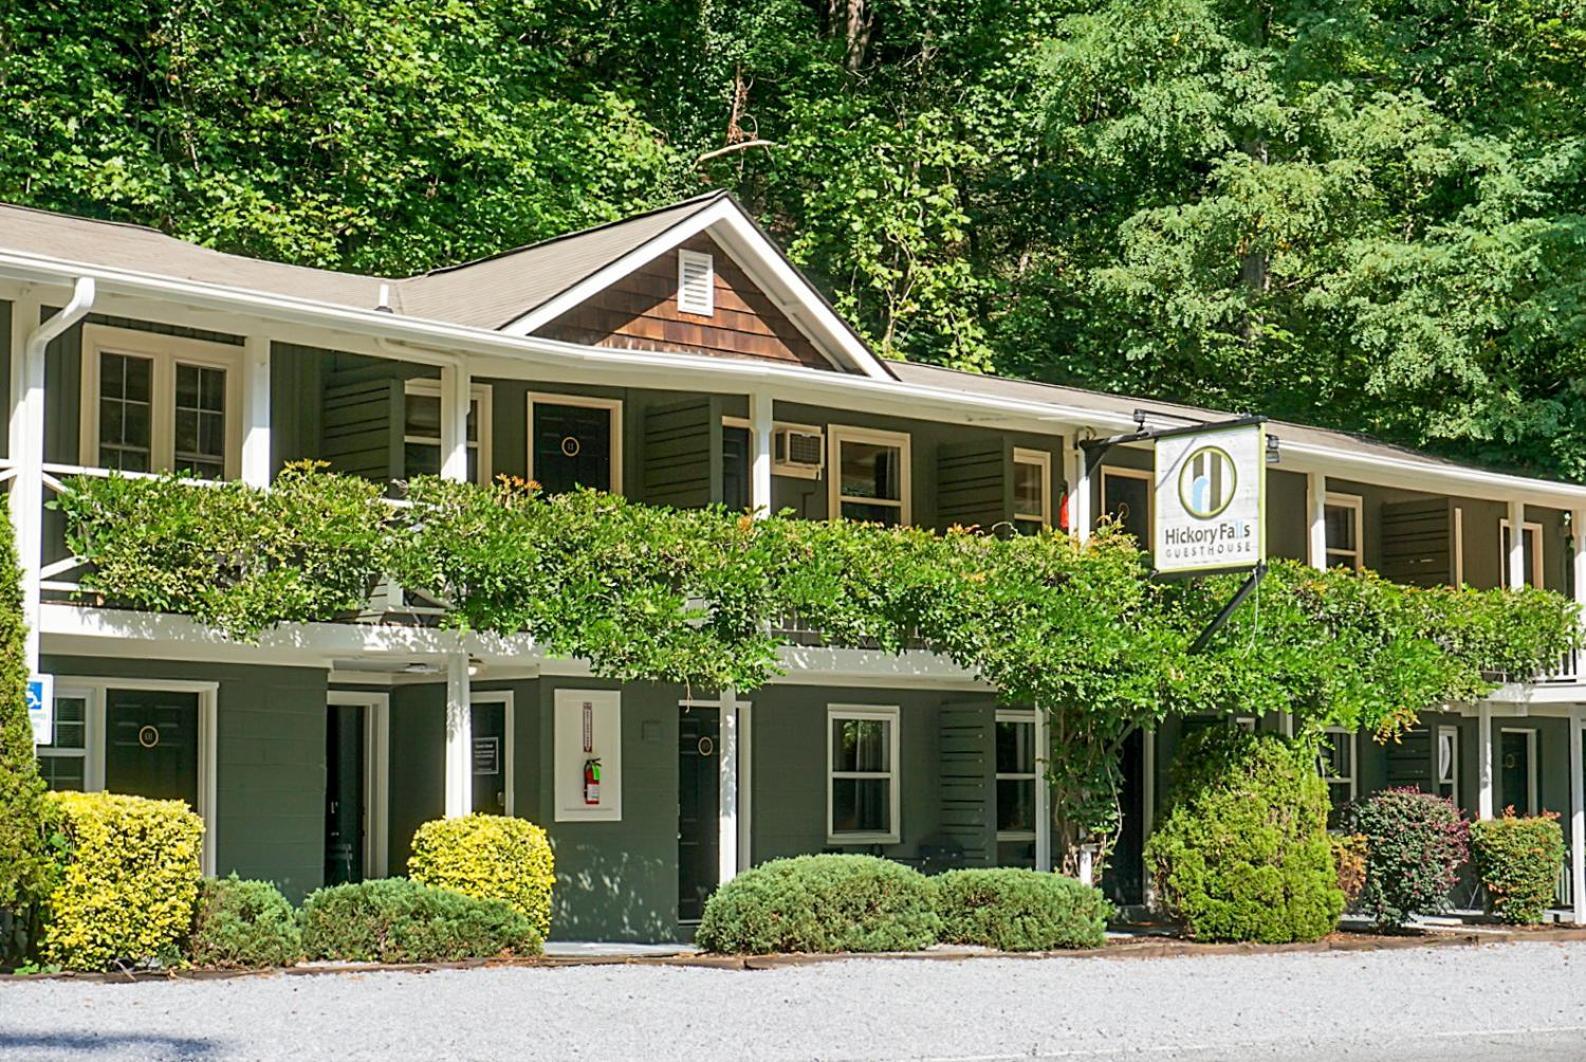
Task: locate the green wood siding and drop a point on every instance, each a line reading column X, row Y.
column 682, row 453
column 362, row 427
column 968, row 787
column 974, row 483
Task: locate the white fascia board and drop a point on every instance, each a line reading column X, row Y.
column 1518, row 696
column 696, row 372
column 751, row 251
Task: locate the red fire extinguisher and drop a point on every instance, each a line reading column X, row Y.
column 592, row 781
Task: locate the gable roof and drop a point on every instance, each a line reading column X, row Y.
column 516, row 291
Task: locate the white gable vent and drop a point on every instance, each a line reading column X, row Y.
column 696, row 283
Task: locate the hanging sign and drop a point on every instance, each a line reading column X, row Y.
column 41, row 708
column 1210, row 498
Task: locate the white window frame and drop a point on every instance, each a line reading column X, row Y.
column 377, row 773
column 83, row 752
column 1027, row 718
column 892, row 715
column 1532, row 795
column 1459, row 545
column 166, row 353
column 510, row 739
column 480, row 397
column 1357, row 506
column 1111, row 471
column 1538, row 568
column 1043, row 460
column 836, row 435
column 95, row 692
column 1437, row 753
column 1248, row 723
column 614, row 405
column 1333, row 733
column 685, row 257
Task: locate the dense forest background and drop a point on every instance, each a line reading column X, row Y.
column 1363, row 213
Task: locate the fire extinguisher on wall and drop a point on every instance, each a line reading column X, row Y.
column 592, row 781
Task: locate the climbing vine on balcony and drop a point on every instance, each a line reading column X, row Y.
column 695, row 597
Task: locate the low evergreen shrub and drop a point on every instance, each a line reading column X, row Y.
column 395, row 920
column 243, row 925
column 1012, row 909
column 1519, row 861
column 131, row 876
column 1243, row 853
column 488, row 857
column 1415, row 845
column 822, row 903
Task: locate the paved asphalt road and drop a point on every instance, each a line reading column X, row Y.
column 1497, row 1002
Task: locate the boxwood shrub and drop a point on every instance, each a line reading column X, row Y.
column 131, row 876
column 1415, row 845
column 243, row 925
column 1012, row 909
column 822, row 903
column 396, row 920
column 489, row 857
column 1243, row 853
column 1518, row 860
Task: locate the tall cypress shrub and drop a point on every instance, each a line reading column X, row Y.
column 26, row 867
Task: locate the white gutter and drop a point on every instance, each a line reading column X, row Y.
column 688, row 372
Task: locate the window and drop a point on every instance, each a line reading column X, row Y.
column 696, row 283
column 1126, row 499
column 1336, row 762
column 1247, row 723
column 1032, row 490
column 862, row 769
column 1448, row 762
column 1343, row 515
column 421, row 431
column 158, row 403
column 1517, row 770
column 575, row 441
column 870, row 478
column 64, row 762
column 1016, row 776
column 1533, row 553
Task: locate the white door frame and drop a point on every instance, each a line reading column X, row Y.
column 376, row 775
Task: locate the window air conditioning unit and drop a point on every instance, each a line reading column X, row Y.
column 798, row 452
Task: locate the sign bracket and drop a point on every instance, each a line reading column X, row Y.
column 1219, row 620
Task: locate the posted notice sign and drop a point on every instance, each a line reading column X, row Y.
column 1210, row 496
column 41, row 708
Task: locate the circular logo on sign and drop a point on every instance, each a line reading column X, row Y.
column 149, row 736
column 706, row 746
column 571, row 446
column 1206, row 482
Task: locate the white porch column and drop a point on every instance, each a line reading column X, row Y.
column 1043, row 792
column 459, row 737
column 1577, row 816
column 456, row 391
column 761, row 419
column 1484, row 761
column 256, row 411
column 1316, row 520
column 1516, row 557
column 727, row 805
column 1079, row 508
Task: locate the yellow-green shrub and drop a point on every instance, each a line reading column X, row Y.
column 130, row 880
column 1518, row 860
column 488, row 857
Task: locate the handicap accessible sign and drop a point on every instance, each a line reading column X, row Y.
column 41, row 708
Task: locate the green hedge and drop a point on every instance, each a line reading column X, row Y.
column 131, row 877
column 396, row 920
column 822, row 903
column 1020, row 910
column 1415, row 845
column 1243, row 853
column 488, row 857
column 1519, row 861
column 244, row 925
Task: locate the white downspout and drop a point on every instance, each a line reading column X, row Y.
column 27, row 455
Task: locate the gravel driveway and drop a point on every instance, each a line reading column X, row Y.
column 1493, row 1002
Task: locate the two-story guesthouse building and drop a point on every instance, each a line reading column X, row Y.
column 678, row 358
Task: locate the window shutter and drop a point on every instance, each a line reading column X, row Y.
column 696, row 283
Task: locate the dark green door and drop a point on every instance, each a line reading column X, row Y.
column 698, row 810
column 344, row 787
column 572, row 447
column 153, row 747
column 490, row 758
column 1514, row 780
